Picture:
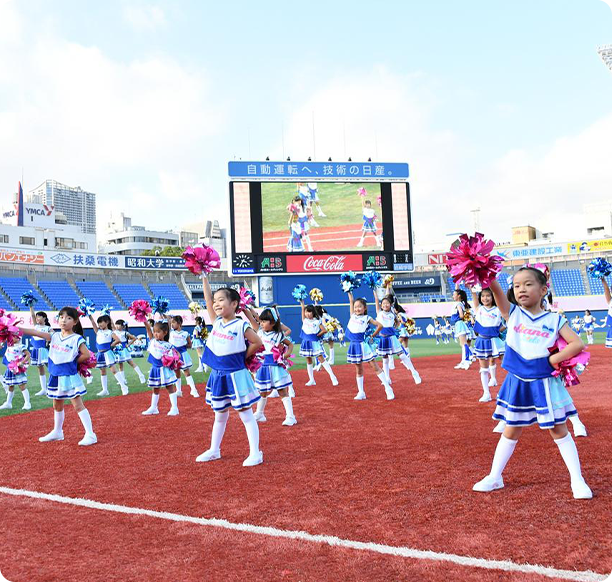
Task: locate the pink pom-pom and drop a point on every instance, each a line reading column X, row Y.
column 253, row 363
column 280, row 357
column 362, row 192
column 202, row 259
column 471, row 261
column 9, row 332
column 84, row 367
column 567, row 368
column 18, row 365
column 140, row 310
column 247, row 297
column 379, row 200
column 172, row 359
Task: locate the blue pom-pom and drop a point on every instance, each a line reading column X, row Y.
column 160, row 305
column 372, row 279
column 28, row 298
column 299, row 292
column 106, row 309
column 87, row 306
column 367, row 337
column 349, row 281
column 599, row 268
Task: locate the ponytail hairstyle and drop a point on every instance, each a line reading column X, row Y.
column 76, row 315
column 587, row 312
column 395, row 304
column 364, row 303
column 271, row 314
column 44, row 315
column 487, row 290
column 163, row 325
column 320, row 310
column 199, row 320
column 122, row 324
column 178, row 319
column 462, row 298
column 231, row 294
column 540, row 277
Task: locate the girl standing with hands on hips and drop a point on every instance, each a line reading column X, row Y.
column 106, row 340
column 530, row 394
column 40, row 353
column 230, row 384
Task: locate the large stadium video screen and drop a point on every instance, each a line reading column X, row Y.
column 318, row 227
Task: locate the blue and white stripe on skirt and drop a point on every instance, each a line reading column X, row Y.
column 499, row 346
column 388, row 346
column 483, row 348
column 359, row 352
column 122, row 354
column 609, row 337
column 65, row 387
column 186, row 362
column 231, row 389
column 461, row 328
column 196, row 343
column 160, row 377
column 310, row 349
column 105, row 359
column 39, row 356
column 544, row 401
column 272, row 377
column 11, row 379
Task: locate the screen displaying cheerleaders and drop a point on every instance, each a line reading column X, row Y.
column 325, row 216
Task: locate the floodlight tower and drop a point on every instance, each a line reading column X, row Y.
column 605, row 52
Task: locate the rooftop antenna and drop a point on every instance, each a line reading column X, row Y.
column 476, row 217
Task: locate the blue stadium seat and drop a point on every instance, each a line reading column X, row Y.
column 99, row 293
column 60, row 293
column 15, row 287
column 4, row 304
column 172, row 293
column 597, row 287
column 567, row 282
column 129, row 293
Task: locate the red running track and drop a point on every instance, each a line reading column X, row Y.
column 392, row 472
column 323, row 238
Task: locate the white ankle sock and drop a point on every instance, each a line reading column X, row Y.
column 86, row 420
column 191, row 383
column 386, row 366
column 407, row 362
column 252, row 430
column 218, row 430
column 104, row 382
column 9, row 396
column 58, row 420
column 173, row 399
column 43, row 382
column 288, row 406
column 137, row 370
column 179, row 385
column 503, row 452
column 383, row 379
column 120, row 377
column 261, row 405
column 310, row 372
column 569, row 452
column 360, row 385
column 328, row 369
column 26, row 396
column 331, row 356
column 154, row 400
column 492, row 370
column 484, row 379
column 391, row 362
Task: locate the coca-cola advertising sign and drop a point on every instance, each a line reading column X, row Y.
column 323, row 263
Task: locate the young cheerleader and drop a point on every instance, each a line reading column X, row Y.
column 67, row 349
column 530, row 394
column 230, row 384
column 447, row 330
column 40, row 353
column 608, row 322
column 198, row 341
column 312, row 331
column 359, row 352
column 461, row 329
column 12, row 379
column 437, row 330
column 389, row 346
column 298, row 214
column 313, row 190
column 294, row 244
column 181, row 340
column 589, row 326
column 160, row 376
column 487, row 326
column 106, row 340
column 272, row 376
column 122, row 352
column 369, row 224
column 327, row 338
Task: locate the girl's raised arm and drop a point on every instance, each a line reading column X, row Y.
column 94, row 325
column 377, row 302
column 351, row 302
column 36, row 333
column 475, row 299
column 32, row 315
column 303, row 309
column 500, row 298
column 148, row 328
column 254, row 323
column 208, row 297
column 606, row 291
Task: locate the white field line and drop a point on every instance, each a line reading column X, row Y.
column 505, row 565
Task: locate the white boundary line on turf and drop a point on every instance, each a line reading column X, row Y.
column 505, row 565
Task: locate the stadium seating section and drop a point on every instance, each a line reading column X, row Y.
column 596, row 286
column 15, row 287
column 172, row 293
column 567, row 282
column 99, row 293
column 4, row 304
column 60, row 293
column 129, row 293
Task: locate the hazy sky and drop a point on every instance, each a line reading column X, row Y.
column 502, row 105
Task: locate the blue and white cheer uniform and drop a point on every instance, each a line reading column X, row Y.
column 12, row 353
column 65, row 382
column 460, row 327
column 230, row 384
column 196, row 342
column 122, row 353
column 271, row 376
column 369, row 220
column 487, row 326
column 358, row 351
column 179, row 340
column 530, row 393
column 609, row 324
column 311, row 341
column 39, row 354
column 105, row 356
column 160, row 376
column 389, row 344
column 589, row 323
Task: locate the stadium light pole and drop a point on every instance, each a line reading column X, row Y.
column 605, row 53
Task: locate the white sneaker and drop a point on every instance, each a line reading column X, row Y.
column 41, row 393
column 359, row 244
column 199, row 369
column 103, row 393
column 466, row 365
column 492, row 382
column 253, row 460
column 52, row 436
column 416, row 377
column 143, row 380
column 179, row 393
column 195, row 393
column 29, row 407
column 322, row 214
column 173, row 412
column 360, row 396
column 459, row 366
column 485, row 398
column 334, row 381
column 310, row 383
column 313, row 222
column 260, row 417
column 580, row 430
column 500, row 426
column 208, row 455
column 88, row 439
column 125, row 390
column 488, row 484
column 89, row 379
column 290, row 421
column 581, row 490
column 150, row 411
column 390, row 394
column 6, row 405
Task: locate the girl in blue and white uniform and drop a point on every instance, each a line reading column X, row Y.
column 369, row 224
column 160, row 376
column 106, row 341
column 447, row 330
column 294, row 244
column 461, row 329
column 359, row 352
column 608, row 323
column 198, row 341
column 272, row 376
column 437, row 330
column 122, row 351
column 488, row 323
column 530, row 394
column 67, row 349
column 388, row 345
column 39, row 355
column 298, row 215
column 589, row 325
column 230, row 384
column 19, row 379
column 312, row 332
column 181, row 340
column 313, row 191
